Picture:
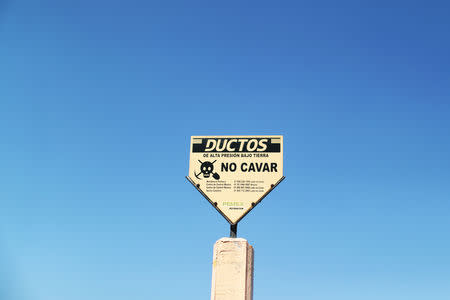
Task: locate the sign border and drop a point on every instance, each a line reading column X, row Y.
column 214, row 204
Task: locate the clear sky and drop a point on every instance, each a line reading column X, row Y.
column 98, row 100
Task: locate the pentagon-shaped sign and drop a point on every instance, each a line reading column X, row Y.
column 235, row 173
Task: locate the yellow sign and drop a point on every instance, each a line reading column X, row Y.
column 235, row 172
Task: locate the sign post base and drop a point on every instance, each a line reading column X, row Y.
column 232, row 275
column 233, row 231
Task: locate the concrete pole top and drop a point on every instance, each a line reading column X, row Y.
column 228, row 239
column 232, row 270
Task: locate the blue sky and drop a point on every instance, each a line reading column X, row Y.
column 98, row 100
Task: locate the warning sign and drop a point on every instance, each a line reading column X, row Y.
column 235, row 172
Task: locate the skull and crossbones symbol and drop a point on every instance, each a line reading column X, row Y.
column 207, row 168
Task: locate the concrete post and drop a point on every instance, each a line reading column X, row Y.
column 232, row 276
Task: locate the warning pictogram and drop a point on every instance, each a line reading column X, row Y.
column 206, row 169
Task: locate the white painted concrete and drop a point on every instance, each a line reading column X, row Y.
column 232, row 276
